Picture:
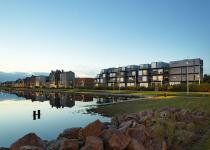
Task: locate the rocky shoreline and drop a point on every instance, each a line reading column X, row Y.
column 162, row 129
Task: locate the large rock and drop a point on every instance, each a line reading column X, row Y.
column 138, row 134
column 93, row 129
column 164, row 145
column 93, row 143
column 69, row 144
column 118, row 141
column 31, row 148
column 30, row 139
column 64, row 144
column 72, row 133
column 3, row 148
column 134, row 145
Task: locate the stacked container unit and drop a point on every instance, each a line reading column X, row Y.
column 144, row 75
column 112, row 77
column 132, row 75
column 121, row 77
column 101, row 79
column 188, row 69
column 159, row 73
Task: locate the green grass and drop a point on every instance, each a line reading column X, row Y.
column 192, row 103
column 204, row 144
column 129, row 92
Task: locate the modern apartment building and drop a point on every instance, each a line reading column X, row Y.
column 156, row 73
column 190, row 70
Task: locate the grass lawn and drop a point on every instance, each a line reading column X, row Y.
column 191, row 103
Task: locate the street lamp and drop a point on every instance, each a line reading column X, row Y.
column 187, row 63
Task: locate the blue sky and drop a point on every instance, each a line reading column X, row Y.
column 87, row 35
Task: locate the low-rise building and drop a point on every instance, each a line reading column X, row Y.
column 154, row 74
column 84, row 82
column 67, row 79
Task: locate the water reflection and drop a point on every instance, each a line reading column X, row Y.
column 63, row 99
column 46, row 113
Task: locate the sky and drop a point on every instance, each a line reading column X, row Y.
column 86, row 36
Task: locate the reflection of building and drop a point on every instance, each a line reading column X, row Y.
column 84, row 82
column 189, row 68
column 156, row 73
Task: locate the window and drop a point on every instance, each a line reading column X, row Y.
column 160, row 71
column 122, row 84
column 130, row 84
column 154, row 78
column 160, row 78
column 101, row 81
column 131, row 78
column 140, row 72
column 104, row 75
column 145, row 72
column 133, row 73
column 144, row 84
column 144, row 79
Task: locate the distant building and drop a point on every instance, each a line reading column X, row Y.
column 40, row 81
column 30, row 82
column 54, row 78
column 84, row 82
column 67, row 79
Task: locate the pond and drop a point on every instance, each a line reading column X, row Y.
column 47, row 113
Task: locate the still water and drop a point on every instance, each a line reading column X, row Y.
column 46, row 114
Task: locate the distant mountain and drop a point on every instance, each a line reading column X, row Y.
column 12, row 76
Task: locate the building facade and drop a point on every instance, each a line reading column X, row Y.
column 190, row 70
column 67, row 79
column 154, row 74
column 84, row 82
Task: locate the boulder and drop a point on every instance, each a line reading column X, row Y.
column 118, row 141
column 134, row 145
column 72, row 133
column 93, row 142
column 164, row 145
column 31, row 148
column 3, row 148
column 64, row 144
column 69, row 144
column 93, row 129
column 30, row 139
column 139, row 134
column 126, row 124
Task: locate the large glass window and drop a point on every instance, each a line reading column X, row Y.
column 144, row 78
column 154, row 78
column 145, row 72
column 160, row 78
column 133, row 73
column 160, row 71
